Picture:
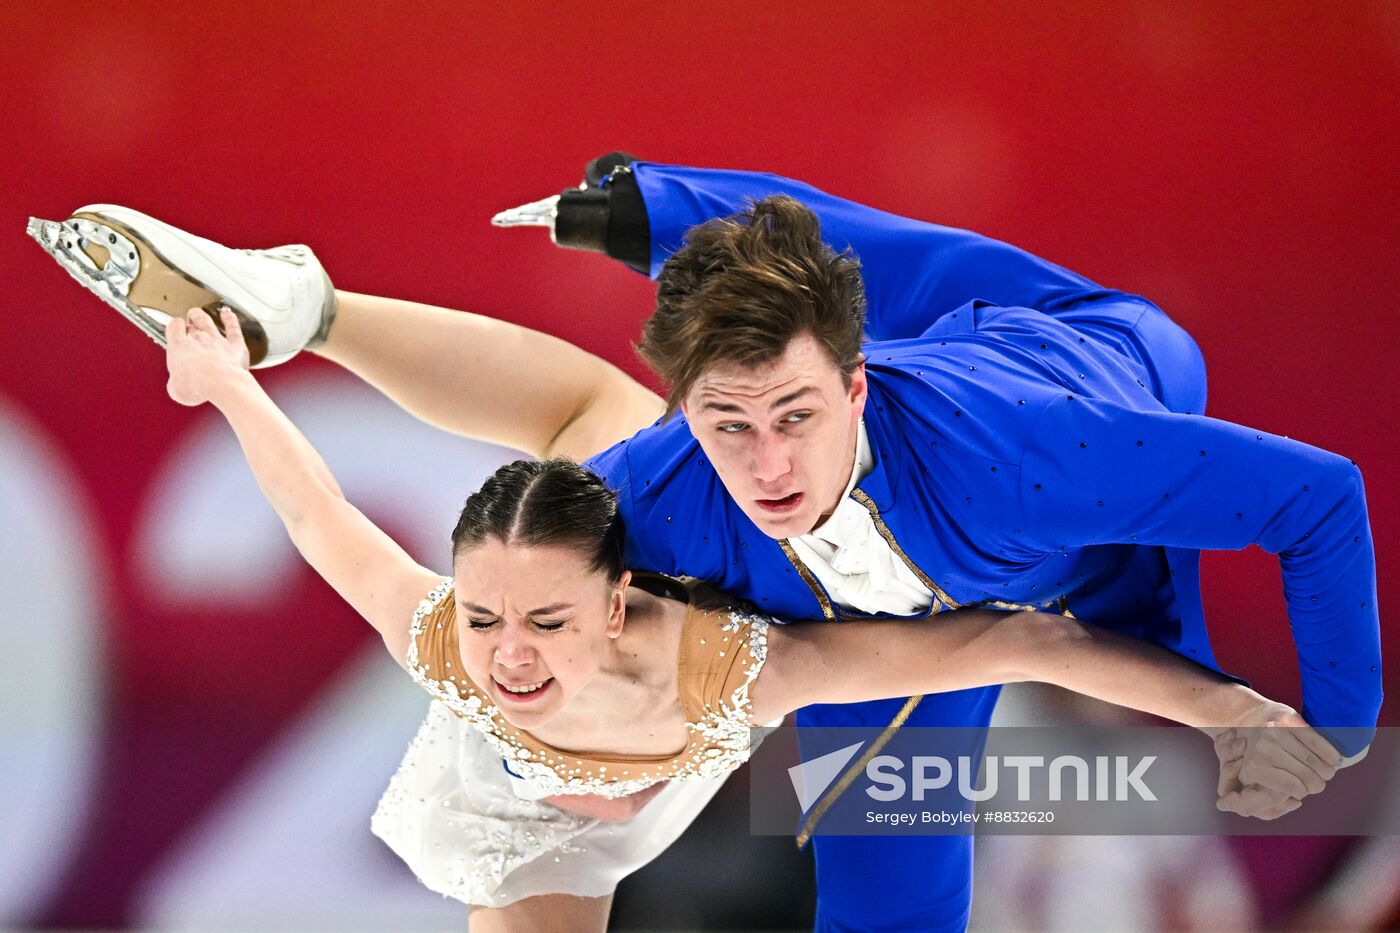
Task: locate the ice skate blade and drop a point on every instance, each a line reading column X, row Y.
column 540, row 213
column 117, row 265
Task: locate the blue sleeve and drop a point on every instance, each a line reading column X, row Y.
column 1097, row 473
column 615, row 468
column 914, row 272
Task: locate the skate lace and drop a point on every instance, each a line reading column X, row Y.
column 296, row 255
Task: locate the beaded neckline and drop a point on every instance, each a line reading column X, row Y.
column 719, row 739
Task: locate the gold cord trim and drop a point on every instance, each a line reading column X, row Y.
column 942, row 601
column 885, row 533
column 827, row 611
column 839, row 788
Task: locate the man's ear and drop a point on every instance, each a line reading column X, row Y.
column 860, row 387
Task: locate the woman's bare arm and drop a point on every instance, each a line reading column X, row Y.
column 489, row 379
column 371, row 572
column 851, row 662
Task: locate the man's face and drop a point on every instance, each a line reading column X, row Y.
column 781, row 436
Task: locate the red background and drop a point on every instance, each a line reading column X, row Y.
column 1236, row 163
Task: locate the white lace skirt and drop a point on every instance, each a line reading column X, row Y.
column 472, row 831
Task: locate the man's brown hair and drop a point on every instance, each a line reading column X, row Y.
column 742, row 287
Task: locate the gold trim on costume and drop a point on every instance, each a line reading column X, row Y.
column 811, row 581
column 831, row 612
column 839, row 788
column 1003, row 604
column 874, row 510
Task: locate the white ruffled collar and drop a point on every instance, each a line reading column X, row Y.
column 853, row 561
column 849, row 529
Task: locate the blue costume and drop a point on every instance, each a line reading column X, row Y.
column 1039, row 440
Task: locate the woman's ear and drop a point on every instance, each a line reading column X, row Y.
column 617, row 614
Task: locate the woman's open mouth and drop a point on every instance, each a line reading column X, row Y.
column 523, row 693
column 780, row 506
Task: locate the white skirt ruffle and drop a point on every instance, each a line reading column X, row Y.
column 471, row 831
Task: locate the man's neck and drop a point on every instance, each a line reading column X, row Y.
column 857, row 450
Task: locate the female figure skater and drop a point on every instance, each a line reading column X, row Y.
column 592, row 688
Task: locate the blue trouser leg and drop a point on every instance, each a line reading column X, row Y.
column 874, row 884
column 916, row 272
column 897, row 882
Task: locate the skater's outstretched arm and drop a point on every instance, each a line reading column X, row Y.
column 969, row 648
column 372, row 573
column 1187, row 481
column 978, row 647
column 489, row 379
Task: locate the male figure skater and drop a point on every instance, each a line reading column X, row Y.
column 1016, row 435
column 1043, row 456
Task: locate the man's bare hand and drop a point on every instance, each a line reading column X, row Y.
column 1246, row 801
column 1270, row 761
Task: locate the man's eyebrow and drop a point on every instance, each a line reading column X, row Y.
column 791, row 397
column 541, row 611
column 777, row 403
column 721, row 406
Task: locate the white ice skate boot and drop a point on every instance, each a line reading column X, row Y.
column 152, row 272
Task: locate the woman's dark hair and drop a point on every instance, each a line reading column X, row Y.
column 546, row 502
